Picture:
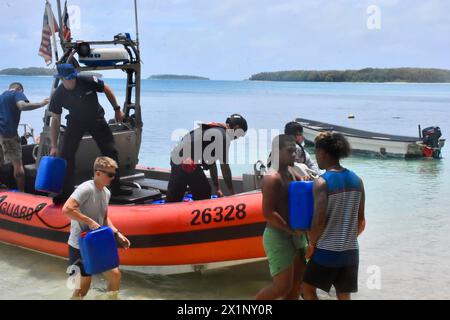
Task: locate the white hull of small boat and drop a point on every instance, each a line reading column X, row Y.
column 253, row 264
column 365, row 142
column 379, row 146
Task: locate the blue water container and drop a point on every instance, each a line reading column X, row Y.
column 301, row 205
column 50, row 174
column 99, row 250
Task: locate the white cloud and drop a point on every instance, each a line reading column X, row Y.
column 238, row 20
column 265, row 42
column 234, row 38
column 289, row 7
column 9, row 37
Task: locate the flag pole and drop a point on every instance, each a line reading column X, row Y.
column 52, row 27
column 61, row 38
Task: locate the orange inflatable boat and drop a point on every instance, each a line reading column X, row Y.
column 186, row 233
column 196, row 232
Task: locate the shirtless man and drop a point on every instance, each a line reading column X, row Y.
column 285, row 248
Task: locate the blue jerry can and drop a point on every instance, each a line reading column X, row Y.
column 50, row 174
column 98, row 250
column 301, row 205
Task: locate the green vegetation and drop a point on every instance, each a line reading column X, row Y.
column 364, row 75
column 27, row 72
column 175, row 77
column 33, row 71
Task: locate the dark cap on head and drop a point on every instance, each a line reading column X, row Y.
column 237, row 120
column 293, row 128
column 66, row 71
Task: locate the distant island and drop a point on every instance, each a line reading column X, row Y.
column 34, row 71
column 175, row 77
column 420, row 75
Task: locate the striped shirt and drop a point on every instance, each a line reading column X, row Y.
column 338, row 244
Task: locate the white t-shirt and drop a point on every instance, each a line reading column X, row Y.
column 93, row 203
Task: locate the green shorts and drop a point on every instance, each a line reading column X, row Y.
column 281, row 249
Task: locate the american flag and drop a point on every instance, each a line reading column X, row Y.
column 65, row 24
column 45, row 50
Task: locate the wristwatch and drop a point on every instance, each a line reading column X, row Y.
column 117, row 108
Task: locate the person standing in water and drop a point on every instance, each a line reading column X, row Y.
column 284, row 247
column 87, row 208
column 339, row 200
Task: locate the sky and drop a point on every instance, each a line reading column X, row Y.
column 233, row 39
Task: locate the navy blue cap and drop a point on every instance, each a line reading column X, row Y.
column 66, row 71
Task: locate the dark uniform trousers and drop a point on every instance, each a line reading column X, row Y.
column 102, row 135
column 180, row 179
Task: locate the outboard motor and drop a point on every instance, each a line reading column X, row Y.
column 430, row 138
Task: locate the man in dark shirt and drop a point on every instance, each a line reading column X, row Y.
column 199, row 150
column 12, row 103
column 78, row 94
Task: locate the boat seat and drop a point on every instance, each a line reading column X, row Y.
column 145, row 183
column 137, row 196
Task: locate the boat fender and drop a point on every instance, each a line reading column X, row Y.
column 98, row 250
column 301, row 204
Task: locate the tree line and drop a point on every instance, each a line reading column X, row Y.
column 363, row 75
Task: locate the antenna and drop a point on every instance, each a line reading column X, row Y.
column 136, row 21
column 58, row 2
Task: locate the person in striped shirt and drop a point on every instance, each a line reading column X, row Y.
column 339, row 198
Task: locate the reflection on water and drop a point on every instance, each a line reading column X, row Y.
column 32, row 275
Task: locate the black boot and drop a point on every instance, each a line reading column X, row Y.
column 60, row 198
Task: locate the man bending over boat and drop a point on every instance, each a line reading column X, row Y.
column 78, row 94
column 199, row 150
column 284, row 247
column 12, row 103
column 338, row 221
column 87, row 208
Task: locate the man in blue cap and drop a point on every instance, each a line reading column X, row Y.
column 78, row 94
column 12, row 103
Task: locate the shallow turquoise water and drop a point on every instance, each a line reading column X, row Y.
column 408, row 226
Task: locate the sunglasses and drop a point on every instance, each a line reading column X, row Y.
column 109, row 174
